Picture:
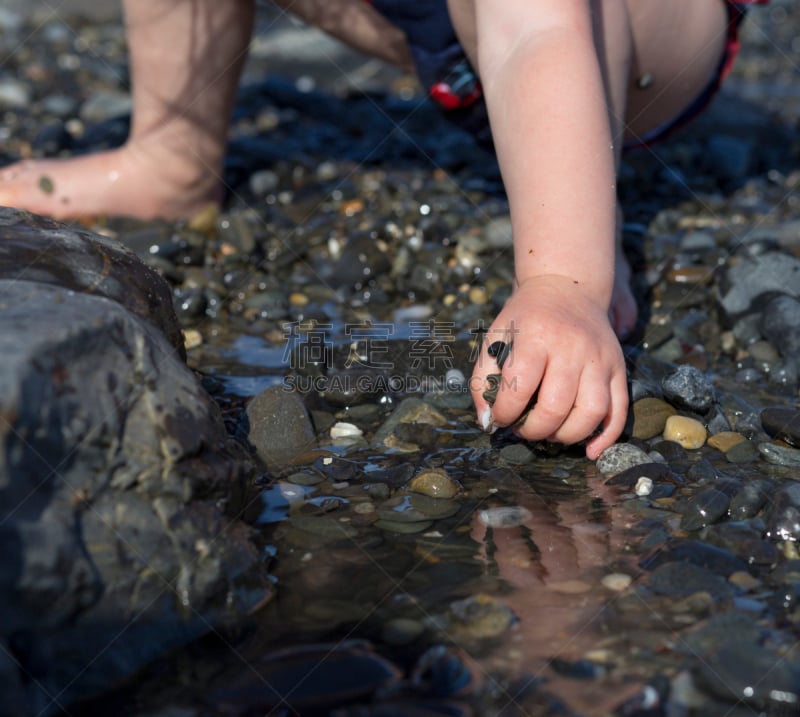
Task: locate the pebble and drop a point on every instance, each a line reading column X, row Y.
column 498, row 233
column 689, row 388
column 516, row 454
column 725, row 440
column 782, row 422
column 341, row 429
column 750, row 277
column 620, row 457
column 749, row 500
column 643, row 487
column 435, row 484
column 779, row 455
column 705, row 508
column 743, row 452
column 687, row 432
column 616, row 581
column 279, row 425
column 478, row 295
column 780, row 323
column 410, row 410
column 649, row 417
column 192, row 338
column 401, row 631
column 684, row 579
column 783, row 515
column 14, row 93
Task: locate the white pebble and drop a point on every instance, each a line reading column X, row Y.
column 616, row 581
column 644, row 486
column 345, row 430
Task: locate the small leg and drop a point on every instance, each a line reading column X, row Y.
column 186, row 57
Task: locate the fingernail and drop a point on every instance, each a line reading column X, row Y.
column 487, row 424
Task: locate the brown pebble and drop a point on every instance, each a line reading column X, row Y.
column 650, row 416
column 725, row 440
column 351, row 207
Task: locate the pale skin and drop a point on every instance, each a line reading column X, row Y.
column 559, row 80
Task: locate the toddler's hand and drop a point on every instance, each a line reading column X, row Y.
column 564, row 347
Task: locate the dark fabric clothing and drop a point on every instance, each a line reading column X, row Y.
column 451, row 82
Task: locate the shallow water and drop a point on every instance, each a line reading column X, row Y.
column 524, row 592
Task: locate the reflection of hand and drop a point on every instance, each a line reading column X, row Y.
column 552, row 554
column 564, row 347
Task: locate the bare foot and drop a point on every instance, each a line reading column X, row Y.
column 122, row 182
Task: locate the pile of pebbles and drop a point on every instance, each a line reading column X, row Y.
column 369, row 211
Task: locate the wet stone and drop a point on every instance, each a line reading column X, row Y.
column 749, row 500
column 725, row 440
column 751, row 674
column 779, row 455
column 517, row 454
column 783, row 515
column 743, row 540
column 689, row 388
column 743, row 452
column 435, row 484
column 709, row 557
column 670, row 451
column 621, row 457
column 688, row 432
column 780, row 323
column 279, row 426
column 782, row 422
column 753, row 276
column 410, row 410
column 478, row 617
column 401, row 631
column 649, row 417
column 705, row 508
column 683, row 579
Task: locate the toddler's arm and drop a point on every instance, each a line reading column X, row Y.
column 547, row 106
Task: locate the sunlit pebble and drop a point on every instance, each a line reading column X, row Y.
column 616, row 581
column 345, row 430
column 644, row 486
column 298, row 299
column 424, row 209
column 192, row 338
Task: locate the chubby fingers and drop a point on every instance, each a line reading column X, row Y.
column 504, row 383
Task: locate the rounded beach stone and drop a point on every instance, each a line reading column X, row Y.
column 434, row 483
column 620, row 457
column 649, row 417
column 782, row 422
column 687, row 387
column 725, row 440
column 685, row 431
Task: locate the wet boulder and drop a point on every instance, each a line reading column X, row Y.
column 116, row 473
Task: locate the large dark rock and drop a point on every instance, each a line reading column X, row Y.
column 117, row 476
